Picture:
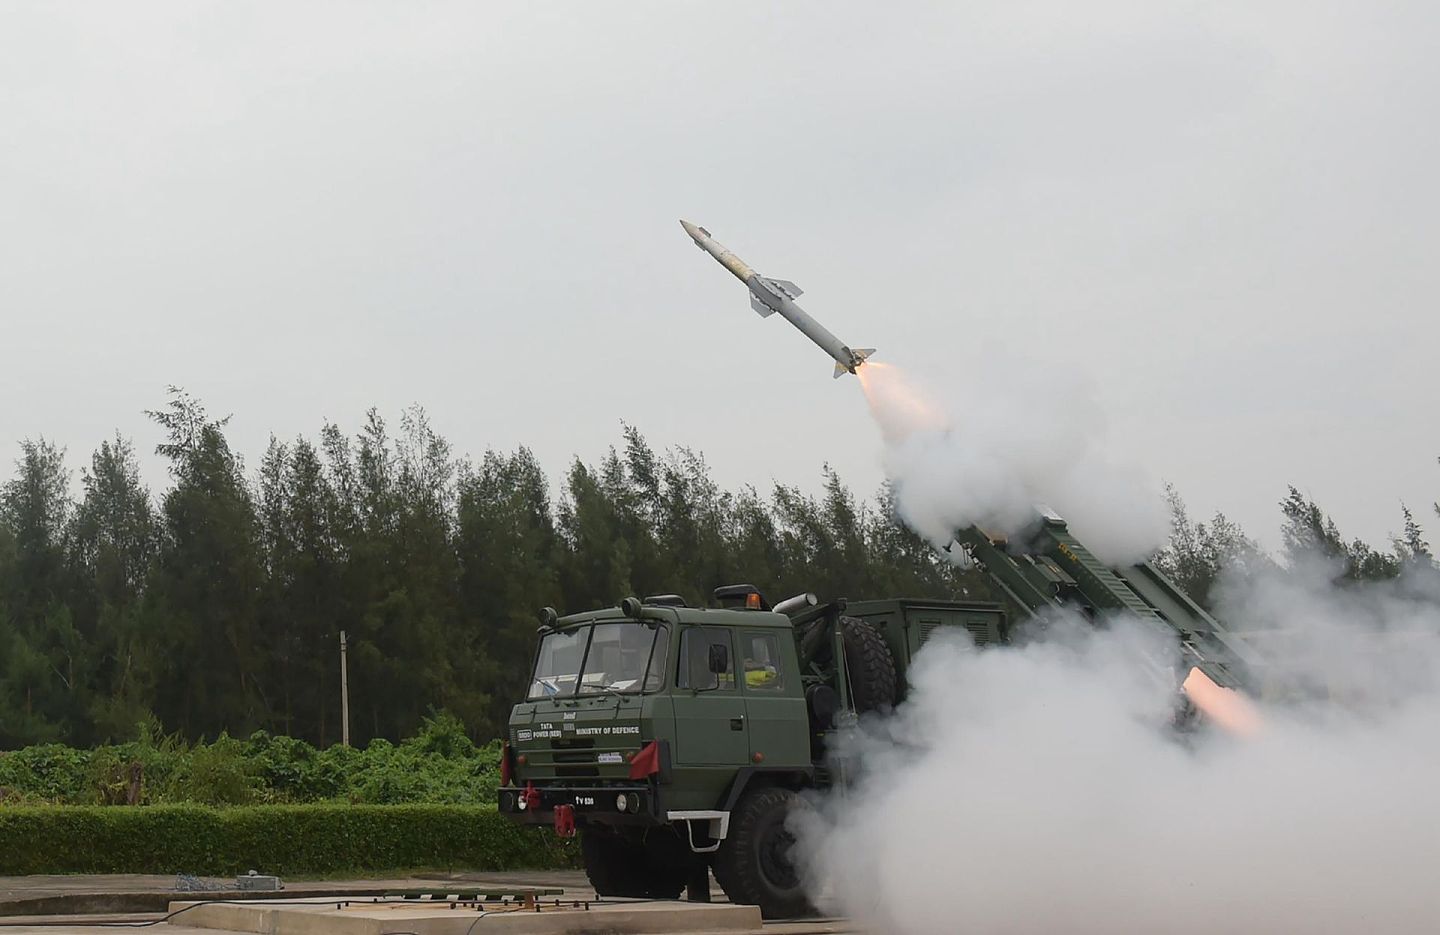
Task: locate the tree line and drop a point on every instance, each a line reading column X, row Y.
column 215, row 605
column 1200, row 551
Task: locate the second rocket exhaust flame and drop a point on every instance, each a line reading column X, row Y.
column 1225, row 706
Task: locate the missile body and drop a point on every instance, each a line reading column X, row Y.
column 768, row 296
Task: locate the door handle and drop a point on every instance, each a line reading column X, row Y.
column 737, row 723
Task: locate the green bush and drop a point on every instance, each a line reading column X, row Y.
column 45, row 772
column 284, row 839
column 439, row 765
column 219, row 773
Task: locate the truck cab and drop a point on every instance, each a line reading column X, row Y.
column 643, row 727
column 661, row 706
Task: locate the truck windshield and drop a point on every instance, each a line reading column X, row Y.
column 617, row 657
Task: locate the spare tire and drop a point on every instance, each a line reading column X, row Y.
column 873, row 685
column 822, row 703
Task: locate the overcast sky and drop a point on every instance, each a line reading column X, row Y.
column 1222, row 215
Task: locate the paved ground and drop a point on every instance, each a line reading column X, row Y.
column 74, row 887
column 107, row 925
column 90, row 892
column 13, row 888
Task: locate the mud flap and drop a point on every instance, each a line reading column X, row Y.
column 565, row 821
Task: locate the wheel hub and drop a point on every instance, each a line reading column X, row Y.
column 775, row 861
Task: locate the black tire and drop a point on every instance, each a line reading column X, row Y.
column 613, row 865
column 873, row 685
column 754, row 864
column 624, row 866
column 668, row 861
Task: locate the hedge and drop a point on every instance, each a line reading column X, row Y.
column 281, row 839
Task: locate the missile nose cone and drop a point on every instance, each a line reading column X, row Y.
column 692, row 230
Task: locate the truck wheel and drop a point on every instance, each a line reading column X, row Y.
column 614, row 866
column 754, row 864
column 871, row 667
column 668, row 862
column 656, row 868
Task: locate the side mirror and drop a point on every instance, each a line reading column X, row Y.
column 719, row 658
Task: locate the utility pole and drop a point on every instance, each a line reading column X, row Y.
column 344, row 694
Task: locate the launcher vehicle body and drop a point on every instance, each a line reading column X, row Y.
column 676, row 740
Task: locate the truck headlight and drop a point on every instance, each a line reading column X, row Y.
column 622, row 802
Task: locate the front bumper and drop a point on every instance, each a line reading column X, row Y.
column 592, row 804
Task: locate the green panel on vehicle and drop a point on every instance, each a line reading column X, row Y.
column 909, row 624
column 774, row 700
column 710, row 723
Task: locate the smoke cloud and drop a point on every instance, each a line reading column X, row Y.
column 1029, row 443
column 1037, row 788
column 1041, row 787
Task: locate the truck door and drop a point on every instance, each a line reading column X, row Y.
column 774, row 702
column 710, row 723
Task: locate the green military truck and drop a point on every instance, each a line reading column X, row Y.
column 677, row 740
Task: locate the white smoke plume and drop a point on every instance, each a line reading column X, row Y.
column 1015, row 443
column 1040, row 787
column 1037, row 789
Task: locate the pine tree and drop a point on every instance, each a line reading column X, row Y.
column 115, row 539
column 302, row 595
column 402, row 571
column 43, row 659
column 1410, row 545
column 1199, row 553
column 752, row 543
column 1309, row 534
column 507, row 544
column 207, row 582
column 595, row 568
column 690, row 528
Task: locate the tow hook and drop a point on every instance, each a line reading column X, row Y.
column 565, row 821
column 530, row 798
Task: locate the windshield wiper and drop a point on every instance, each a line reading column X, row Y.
column 618, row 693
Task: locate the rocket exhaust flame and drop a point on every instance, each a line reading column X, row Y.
column 898, row 406
column 1228, row 708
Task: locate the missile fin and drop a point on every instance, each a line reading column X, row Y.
column 864, row 352
column 789, row 288
column 840, row 369
column 761, row 309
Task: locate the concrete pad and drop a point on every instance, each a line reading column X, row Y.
column 436, row 918
column 131, row 893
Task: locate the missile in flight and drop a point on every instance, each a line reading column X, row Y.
column 768, row 296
